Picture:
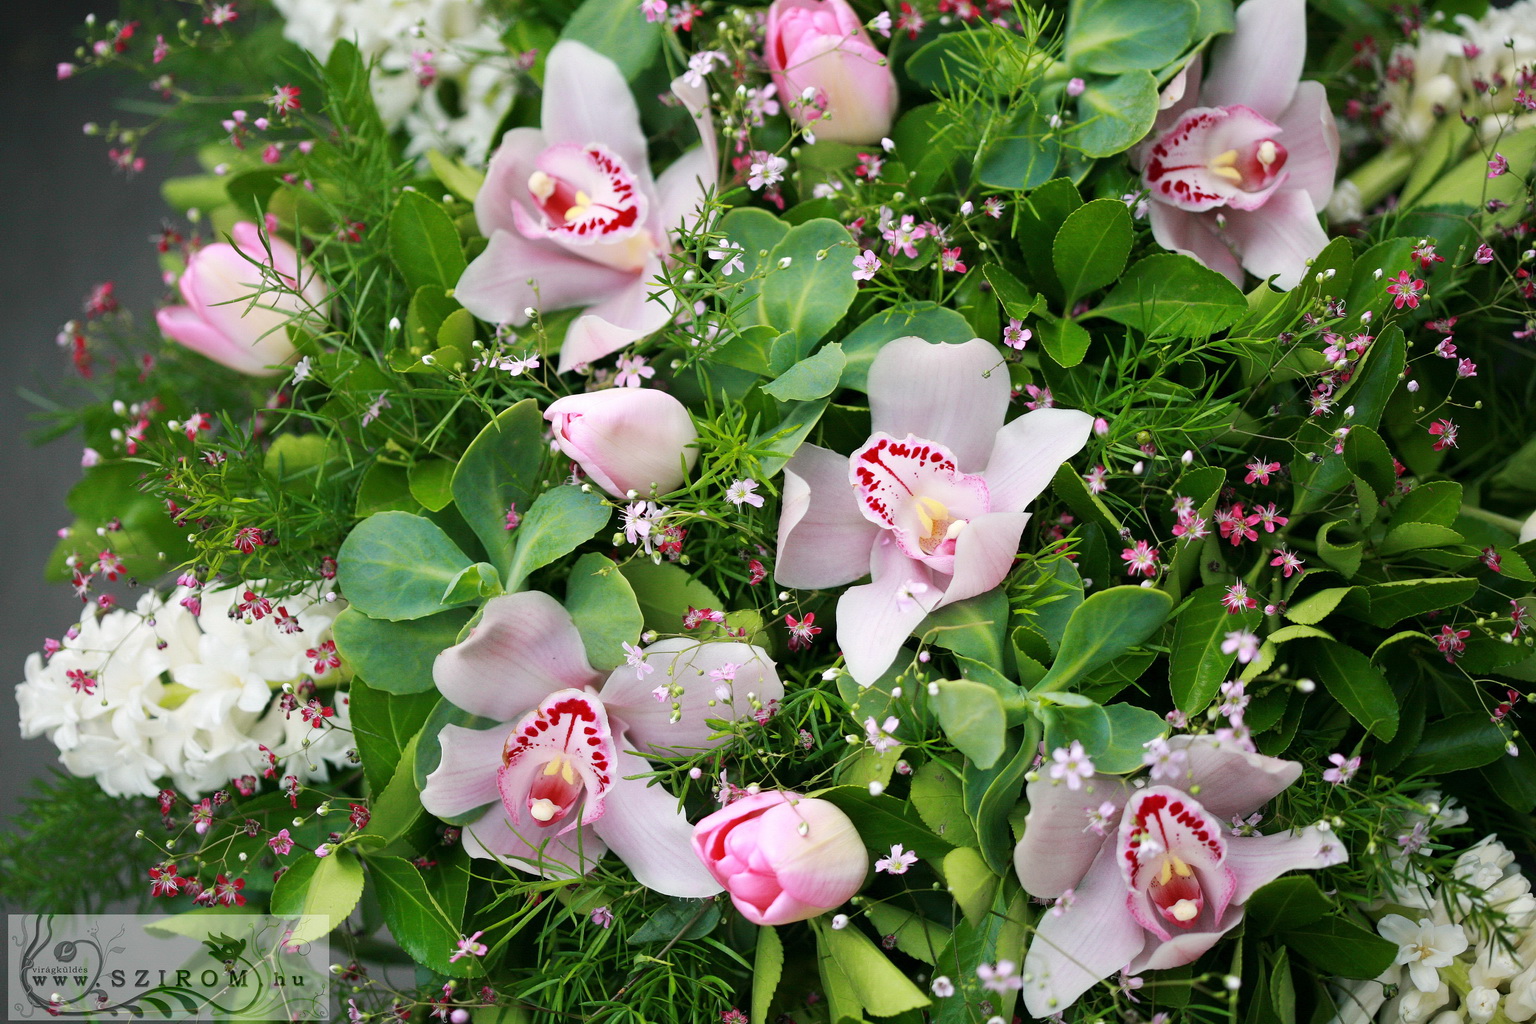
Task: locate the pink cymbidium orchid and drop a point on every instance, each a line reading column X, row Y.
column 931, row 506
column 573, row 215
column 557, row 772
column 1155, row 880
column 1240, row 165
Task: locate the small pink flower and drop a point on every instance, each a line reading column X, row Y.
column 1445, row 432
column 898, row 862
column 1343, row 769
column 281, row 844
column 1140, row 560
column 1498, row 165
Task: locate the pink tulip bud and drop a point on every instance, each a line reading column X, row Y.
column 820, row 47
column 237, row 314
column 782, row 857
column 626, row 439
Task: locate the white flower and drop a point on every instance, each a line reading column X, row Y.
column 1423, row 947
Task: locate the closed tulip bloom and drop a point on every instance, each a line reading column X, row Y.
column 782, row 857
column 626, row 439
column 240, row 298
column 821, row 45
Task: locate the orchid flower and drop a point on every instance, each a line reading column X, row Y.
column 573, row 216
column 1163, row 887
column 557, row 775
column 1239, row 166
column 931, row 506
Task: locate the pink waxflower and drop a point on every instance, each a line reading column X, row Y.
column 820, row 47
column 573, row 215
column 935, row 497
column 782, row 857
column 241, row 299
column 1239, row 165
column 563, row 777
column 1164, row 881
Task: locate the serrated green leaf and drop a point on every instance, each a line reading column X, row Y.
column 321, row 890
column 1090, row 249
column 1172, row 295
column 1353, row 681
column 424, row 243
column 767, row 969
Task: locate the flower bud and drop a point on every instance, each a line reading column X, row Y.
column 626, row 439
column 819, row 49
column 781, row 856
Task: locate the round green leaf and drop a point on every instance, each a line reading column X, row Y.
column 395, row 565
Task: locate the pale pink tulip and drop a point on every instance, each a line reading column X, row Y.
column 782, row 857
column 573, row 216
column 626, row 439
column 1240, row 165
column 556, row 775
column 931, row 506
column 821, row 46
column 1155, row 878
column 241, row 299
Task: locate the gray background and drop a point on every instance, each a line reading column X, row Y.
column 67, row 222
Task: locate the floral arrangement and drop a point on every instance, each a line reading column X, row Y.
column 818, row 511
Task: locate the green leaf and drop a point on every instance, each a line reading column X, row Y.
column 767, row 969
column 473, row 585
column 396, row 657
column 349, row 100
column 1131, row 728
column 1103, row 627
column 1116, row 114
column 991, row 793
column 461, row 179
column 1069, row 487
column 811, row 293
column 1286, row 904
column 678, row 919
column 1314, row 608
column 1367, row 456
column 1197, row 665
column 1343, row 557
column 665, row 592
column 1065, row 341
column 1342, row 948
column 816, row 377
column 431, row 483
column 907, row 319
column 603, row 606
column 558, row 522
column 916, row 936
column 882, row 820
column 972, row 717
column 501, row 467
column 1456, row 743
column 938, row 795
column 1106, row 38
column 1023, row 155
column 397, row 566
column 1416, row 537
column 619, row 31
column 383, row 724
column 424, row 243
column 1090, row 249
column 1172, row 295
column 879, row 985
column 974, row 627
column 1437, row 502
column 799, row 419
column 1018, row 302
column 428, row 931
column 323, row 890
column 970, row 882
column 1353, row 681
column 396, row 810
column 1392, row 602
column 1081, row 721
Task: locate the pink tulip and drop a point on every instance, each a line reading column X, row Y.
column 931, row 506
column 237, row 313
column 820, row 45
column 626, row 439
column 782, row 857
column 558, row 774
column 1156, row 877
column 574, row 217
column 1240, row 166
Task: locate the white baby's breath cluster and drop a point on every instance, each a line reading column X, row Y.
column 161, row 692
column 1466, row 952
column 1447, row 67
column 458, row 40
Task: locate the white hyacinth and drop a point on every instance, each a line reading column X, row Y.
column 463, row 39
column 158, row 694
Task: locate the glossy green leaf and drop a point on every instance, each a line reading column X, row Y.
column 938, row 795
column 558, row 521
column 972, row 717
column 1368, row 458
column 1065, row 341
column 1342, row 948
column 457, row 176
column 809, row 379
column 322, row 890
column 915, row 936
column 767, row 969
column 991, row 793
column 396, row 810
column 1416, row 537
column 395, row 565
column 665, row 592
column 1357, row 684
column 1172, row 295
column 1131, row 728
column 970, row 882
column 383, row 724
column 424, row 243
column 909, row 319
column 1023, row 155
column 1105, row 626
column 1344, row 557
column 1455, row 743
column 1285, row 904
column 396, row 657
column 1090, row 248
column 473, row 585
column 1114, row 114
column 1197, row 664
column 603, row 606
column 879, row 985
column 501, row 467
column 425, row 928
column 679, row 919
